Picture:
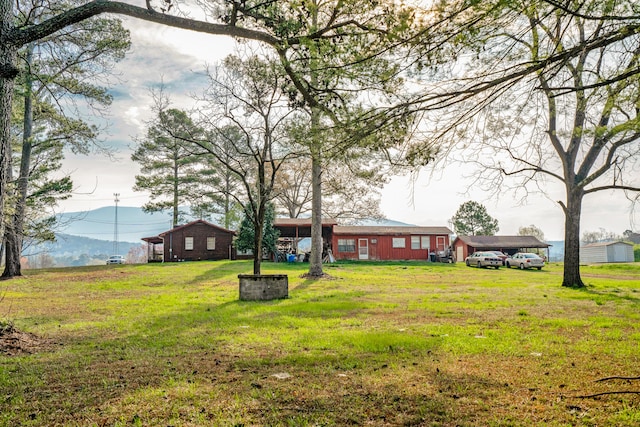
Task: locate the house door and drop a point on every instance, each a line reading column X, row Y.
column 363, row 249
column 459, row 254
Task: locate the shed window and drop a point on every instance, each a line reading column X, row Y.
column 188, row 243
column 211, row 243
column 415, row 242
column 346, row 245
column 399, row 242
column 425, row 242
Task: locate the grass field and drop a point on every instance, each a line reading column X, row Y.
column 376, row 344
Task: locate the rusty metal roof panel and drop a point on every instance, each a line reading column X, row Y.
column 497, row 242
column 390, row 230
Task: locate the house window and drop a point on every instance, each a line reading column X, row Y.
column 346, row 245
column 415, row 242
column 211, row 243
column 399, row 242
column 425, row 242
column 188, row 243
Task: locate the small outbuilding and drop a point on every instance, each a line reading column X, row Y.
column 195, row 241
column 388, row 243
column 463, row 246
column 605, row 252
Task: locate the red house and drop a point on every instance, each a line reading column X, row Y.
column 388, row 243
column 195, row 241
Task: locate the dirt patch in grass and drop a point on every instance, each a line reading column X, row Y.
column 14, row 342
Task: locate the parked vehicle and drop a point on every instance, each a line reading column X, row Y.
column 483, row 259
column 115, row 259
column 503, row 257
column 525, row 260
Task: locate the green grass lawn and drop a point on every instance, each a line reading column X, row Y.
column 376, row 344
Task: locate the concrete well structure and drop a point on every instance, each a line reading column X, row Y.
column 263, row 287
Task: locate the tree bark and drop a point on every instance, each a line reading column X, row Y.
column 14, row 234
column 176, row 159
column 257, row 250
column 259, row 214
column 572, row 211
column 315, row 260
column 8, row 54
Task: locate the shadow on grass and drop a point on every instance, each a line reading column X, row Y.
column 600, row 295
column 106, row 381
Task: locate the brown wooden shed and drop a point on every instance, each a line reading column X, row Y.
column 195, row 241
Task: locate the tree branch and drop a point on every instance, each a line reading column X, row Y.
column 612, row 187
column 590, row 396
column 22, row 36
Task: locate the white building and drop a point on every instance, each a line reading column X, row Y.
column 606, row 252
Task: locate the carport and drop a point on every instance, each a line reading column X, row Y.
column 463, row 246
column 293, row 230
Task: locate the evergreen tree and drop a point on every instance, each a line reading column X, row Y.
column 472, row 219
column 172, row 172
column 246, row 234
column 52, row 68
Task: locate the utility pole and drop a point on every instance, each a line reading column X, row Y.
column 116, row 249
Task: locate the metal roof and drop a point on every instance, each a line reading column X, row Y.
column 591, row 245
column 498, row 242
column 199, row 221
column 300, row 222
column 389, row 230
column 301, row 227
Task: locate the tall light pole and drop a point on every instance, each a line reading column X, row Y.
column 116, row 249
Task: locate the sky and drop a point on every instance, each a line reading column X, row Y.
column 177, row 60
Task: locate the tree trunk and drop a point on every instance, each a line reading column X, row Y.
column 572, row 213
column 175, row 187
column 8, row 72
column 14, row 234
column 227, row 200
column 257, row 250
column 315, row 260
column 259, row 210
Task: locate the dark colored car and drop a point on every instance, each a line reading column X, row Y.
column 503, row 257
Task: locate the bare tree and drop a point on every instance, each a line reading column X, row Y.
column 574, row 122
column 349, row 194
column 246, row 116
column 531, row 230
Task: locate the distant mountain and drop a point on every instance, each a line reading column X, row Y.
column 556, row 251
column 70, row 250
column 133, row 223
